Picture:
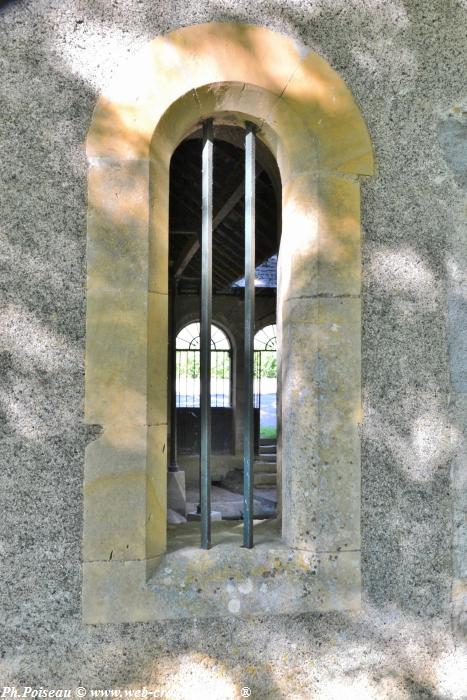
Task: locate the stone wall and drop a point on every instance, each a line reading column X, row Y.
column 404, row 62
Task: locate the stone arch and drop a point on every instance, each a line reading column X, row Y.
column 307, row 118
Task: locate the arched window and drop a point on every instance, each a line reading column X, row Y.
column 266, row 339
column 188, row 367
column 306, row 117
column 265, row 381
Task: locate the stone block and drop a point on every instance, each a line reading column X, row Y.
column 157, row 453
column 235, row 99
column 116, row 357
column 118, row 450
column 175, row 124
column 300, row 462
column 117, row 243
column 243, row 53
column 339, row 483
column 297, row 262
column 157, row 359
column 115, row 591
column 224, row 581
column 321, row 401
column 176, row 492
column 159, row 228
column 328, row 109
column 320, row 249
column 330, row 361
column 339, row 345
column 145, row 87
column 156, row 518
column 114, row 494
column 297, row 151
column 339, row 235
column 156, row 503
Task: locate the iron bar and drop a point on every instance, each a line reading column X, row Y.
column 173, row 466
column 205, row 335
column 248, row 445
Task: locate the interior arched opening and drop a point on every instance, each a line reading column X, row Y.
column 227, row 372
column 265, row 389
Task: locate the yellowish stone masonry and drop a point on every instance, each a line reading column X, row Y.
column 308, row 119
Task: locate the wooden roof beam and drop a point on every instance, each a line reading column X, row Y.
column 192, row 247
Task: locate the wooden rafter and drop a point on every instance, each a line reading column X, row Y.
column 192, row 247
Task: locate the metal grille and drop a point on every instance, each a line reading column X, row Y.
column 257, row 379
column 188, row 368
column 265, row 363
column 201, row 362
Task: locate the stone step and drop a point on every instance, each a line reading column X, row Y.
column 267, row 457
column 264, row 467
column 265, row 479
column 269, row 448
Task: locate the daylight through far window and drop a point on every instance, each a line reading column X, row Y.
column 188, row 367
column 224, row 229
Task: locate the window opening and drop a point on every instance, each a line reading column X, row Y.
column 223, row 242
column 265, row 386
column 188, row 367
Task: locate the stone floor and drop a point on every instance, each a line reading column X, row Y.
column 230, row 503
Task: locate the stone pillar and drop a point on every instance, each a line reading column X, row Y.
column 319, row 322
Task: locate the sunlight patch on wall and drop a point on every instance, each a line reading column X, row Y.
column 30, row 343
column 458, row 275
column 429, row 445
column 450, row 671
column 298, row 247
column 360, row 687
column 94, row 52
column 431, row 442
column 25, row 335
column 200, row 677
column 404, row 272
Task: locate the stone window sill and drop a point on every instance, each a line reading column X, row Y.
column 270, row 578
column 186, row 581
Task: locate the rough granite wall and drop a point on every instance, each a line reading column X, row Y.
column 405, row 62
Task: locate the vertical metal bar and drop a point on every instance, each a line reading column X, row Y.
column 216, row 380
column 249, row 333
column 173, row 466
column 205, row 335
column 260, row 391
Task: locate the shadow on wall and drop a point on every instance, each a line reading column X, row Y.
column 42, row 314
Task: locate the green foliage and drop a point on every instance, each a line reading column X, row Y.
column 268, row 431
column 266, row 364
column 188, row 364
